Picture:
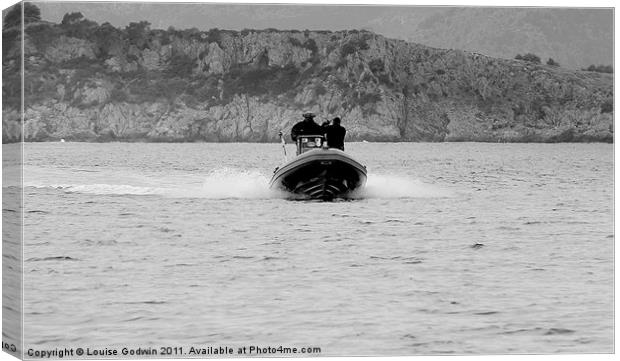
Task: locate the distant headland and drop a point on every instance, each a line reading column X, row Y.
column 94, row 82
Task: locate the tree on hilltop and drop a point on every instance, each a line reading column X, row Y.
column 76, row 25
column 31, row 13
column 107, row 37
column 72, row 18
column 529, row 57
column 138, row 33
column 14, row 16
column 552, row 62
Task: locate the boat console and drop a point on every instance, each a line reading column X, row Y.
column 310, row 142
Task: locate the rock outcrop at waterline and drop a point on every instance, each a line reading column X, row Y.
column 90, row 82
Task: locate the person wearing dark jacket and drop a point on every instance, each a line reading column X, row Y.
column 306, row 127
column 335, row 134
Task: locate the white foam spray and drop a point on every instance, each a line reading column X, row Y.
column 223, row 183
column 388, row 186
column 234, row 183
column 230, row 183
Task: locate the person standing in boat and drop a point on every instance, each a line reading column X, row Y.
column 335, row 134
column 306, row 127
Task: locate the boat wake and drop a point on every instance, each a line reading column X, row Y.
column 390, row 187
column 228, row 183
column 222, row 183
column 231, row 183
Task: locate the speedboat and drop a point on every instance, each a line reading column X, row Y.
column 319, row 172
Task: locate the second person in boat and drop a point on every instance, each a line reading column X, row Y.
column 335, row 134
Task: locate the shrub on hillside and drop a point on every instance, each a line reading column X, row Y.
column 155, row 89
column 552, row 62
column 310, row 44
column 284, row 79
column 319, row 90
column 295, row 42
column 42, row 35
column 353, row 46
column 215, row 36
column 191, row 34
column 269, row 81
column 106, row 37
column 9, row 40
column 118, row 95
column 204, row 90
column 607, row 106
column 376, row 66
column 180, row 65
column 529, row 57
column 137, row 33
column 600, row 69
column 81, row 64
column 12, row 90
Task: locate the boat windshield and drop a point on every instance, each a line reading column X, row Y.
column 309, row 142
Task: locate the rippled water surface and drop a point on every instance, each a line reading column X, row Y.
column 451, row 248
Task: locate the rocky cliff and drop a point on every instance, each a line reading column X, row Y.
column 85, row 81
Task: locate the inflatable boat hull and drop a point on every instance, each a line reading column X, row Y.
column 323, row 174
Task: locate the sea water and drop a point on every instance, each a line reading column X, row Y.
column 450, row 248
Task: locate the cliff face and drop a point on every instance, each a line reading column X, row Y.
column 99, row 83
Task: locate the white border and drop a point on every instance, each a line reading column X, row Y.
column 486, row 3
